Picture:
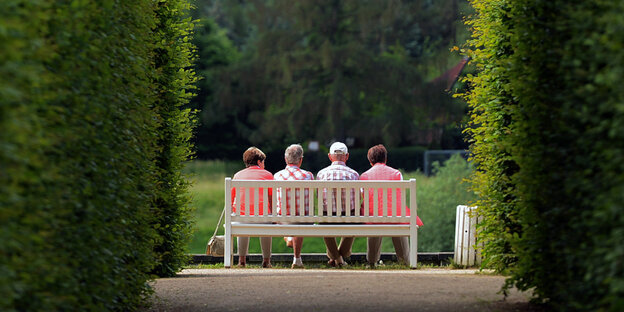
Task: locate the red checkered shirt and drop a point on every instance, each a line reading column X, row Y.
column 338, row 170
column 293, row 173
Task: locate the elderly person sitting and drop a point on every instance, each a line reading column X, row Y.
column 338, row 170
column 253, row 158
column 293, row 156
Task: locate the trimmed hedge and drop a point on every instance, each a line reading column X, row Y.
column 548, row 140
column 174, row 55
column 80, row 133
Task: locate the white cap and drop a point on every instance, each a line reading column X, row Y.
column 338, row 148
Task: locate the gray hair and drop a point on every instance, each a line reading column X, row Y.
column 293, row 154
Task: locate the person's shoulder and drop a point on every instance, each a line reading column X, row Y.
column 396, row 172
column 280, row 175
column 266, row 174
column 308, row 174
column 352, row 171
column 364, row 175
column 324, row 173
column 238, row 174
column 368, row 172
column 323, row 170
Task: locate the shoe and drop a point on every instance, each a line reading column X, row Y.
column 342, row 265
column 331, row 263
column 370, row 266
column 289, row 242
column 296, row 266
column 266, row 265
column 241, row 265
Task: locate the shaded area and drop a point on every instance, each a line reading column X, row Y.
column 435, row 258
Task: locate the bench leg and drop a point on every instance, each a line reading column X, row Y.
column 413, row 247
column 227, row 256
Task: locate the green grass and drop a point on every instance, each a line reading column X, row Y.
column 438, row 197
column 315, row 265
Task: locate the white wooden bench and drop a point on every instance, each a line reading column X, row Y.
column 360, row 223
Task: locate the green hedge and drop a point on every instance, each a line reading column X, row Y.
column 548, row 140
column 80, row 133
column 174, row 55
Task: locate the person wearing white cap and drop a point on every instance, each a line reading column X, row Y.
column 338, row 170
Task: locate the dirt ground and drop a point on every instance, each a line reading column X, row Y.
column 334, row 290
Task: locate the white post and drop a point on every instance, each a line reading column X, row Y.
column 228, row 249
column 466, row 237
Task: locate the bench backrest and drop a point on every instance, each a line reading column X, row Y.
column 398, row 198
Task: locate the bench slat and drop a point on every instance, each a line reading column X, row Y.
column 319, row 219
column 327, row 230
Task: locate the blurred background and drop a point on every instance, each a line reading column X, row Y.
column 361, row 72
column 313, row 72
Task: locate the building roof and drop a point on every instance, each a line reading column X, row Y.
column 451, row 75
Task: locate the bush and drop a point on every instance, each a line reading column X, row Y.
column 438, row 198
column 79, row 129
column 173, row 211
column 548, row 143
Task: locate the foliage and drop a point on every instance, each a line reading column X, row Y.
column 438, row 198
column 492, row 105
column 329, row 70
column 79, row 129
column 548, row 142
column 172, row 210
column 215, row 52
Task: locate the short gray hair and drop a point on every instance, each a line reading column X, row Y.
column 293, row 154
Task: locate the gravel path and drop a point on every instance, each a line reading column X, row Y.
column 334, row 290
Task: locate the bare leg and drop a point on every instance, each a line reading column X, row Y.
column 243, row 247
column 345, row 246
column 297, row 245
column 373, row 249
column 401, row 247
column 332, row 248
column 266, row 244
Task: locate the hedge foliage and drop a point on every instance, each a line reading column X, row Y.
column 81, row 126
column 548, row 141
column 174, row 56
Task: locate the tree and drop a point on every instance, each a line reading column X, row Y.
column 215, row 53
column 327, row 70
